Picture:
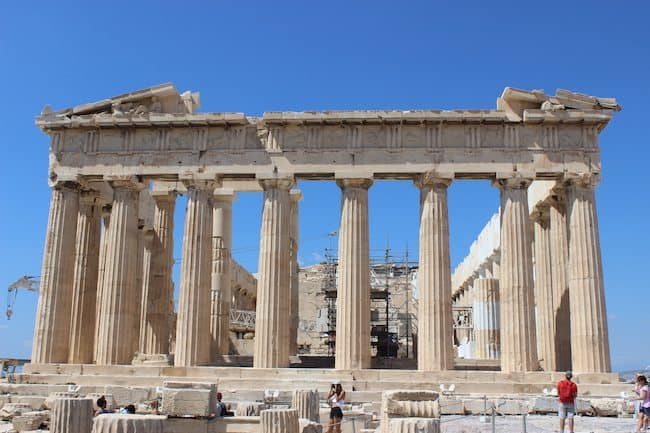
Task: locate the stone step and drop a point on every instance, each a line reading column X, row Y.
column 232, row 384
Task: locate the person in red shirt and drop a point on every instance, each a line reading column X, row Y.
column 567, row 392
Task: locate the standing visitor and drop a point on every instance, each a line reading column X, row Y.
column 567, row 392
column 336, row 400
column 644, row 398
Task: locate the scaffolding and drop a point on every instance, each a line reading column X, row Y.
column 391, row 326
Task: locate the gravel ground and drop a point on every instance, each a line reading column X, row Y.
column 534, row 424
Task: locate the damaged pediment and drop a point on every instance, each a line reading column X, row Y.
column 515, row 101
column 163, row 98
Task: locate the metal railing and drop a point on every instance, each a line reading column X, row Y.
column 243, row 319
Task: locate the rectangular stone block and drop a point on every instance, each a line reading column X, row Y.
column 511, row 407
column 34, row 401
column 543, row 405
column 477, row 406
column 124, row 395
column 195, row 399
column 451, row 406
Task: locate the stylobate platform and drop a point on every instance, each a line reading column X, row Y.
column 362, row 385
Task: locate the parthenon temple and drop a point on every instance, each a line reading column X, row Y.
column 532, row 283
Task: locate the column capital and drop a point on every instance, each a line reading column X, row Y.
column 515, row 182
column 125, row 182
column 295, row 195
column 432, row 178
column 161, row 196
column 225, row 195
column 88, row 196
column 201, row 184
column 584, row 180
column 364, row 183
column 277, row 182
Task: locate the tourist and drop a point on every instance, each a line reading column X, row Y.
column 129, row 409
column 101, row 406
column 222, row 409
column 336, row 400
column 644, row 398
column 567, row 392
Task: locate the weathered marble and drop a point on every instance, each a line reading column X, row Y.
column 353, row 278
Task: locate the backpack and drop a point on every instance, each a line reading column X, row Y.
column 565, row 391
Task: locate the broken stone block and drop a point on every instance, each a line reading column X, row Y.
column 34, row 401
column 451, row 406
column 124, row 395
column 250, row 408
column 279, row 421
column 189, row 399
column 605, row 406
column 307, row 403
column 28, row 421
column 11, row 410
column 408, row 404
column 414, row 425
column 477, row 406
column 309, row 426
column 49, row 401
column 71, row 415
column 511, row 406
column 544, row 405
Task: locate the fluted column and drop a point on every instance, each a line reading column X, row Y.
column 84, row 286
column 435, row 326
column 295, row 196
column 589, row 334
column 273, row 295
column 120, row 294
column 159, row 296
column 545, row 317
column 71, row 415
column 221, row 279
column 193, row 321
column 99, row 306
column 353, row 278
column 486, row 318
column 52, row 327
column 279, row 421
column 518, row 344
column 559, row 260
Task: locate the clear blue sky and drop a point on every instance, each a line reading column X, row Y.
column 263, row 56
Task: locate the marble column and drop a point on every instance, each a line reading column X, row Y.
column 486, row 318
column 435, row 324
column 84, row 287
column 516, row 290
column 353, row 278
column 273, row 295
column 221, row 279
column 544, row 302
column 52, row 327
column 159, row 296
column 106, row 219
column 589, row 334
column 193, row 320
column 119, row 313
column 559, row 260
column 295, row 196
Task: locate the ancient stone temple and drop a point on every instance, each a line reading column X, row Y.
column 117, row 166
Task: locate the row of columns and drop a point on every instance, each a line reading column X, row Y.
column 203, row 312
column 557, row 320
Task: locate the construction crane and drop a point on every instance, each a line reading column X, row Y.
column 26, row 282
